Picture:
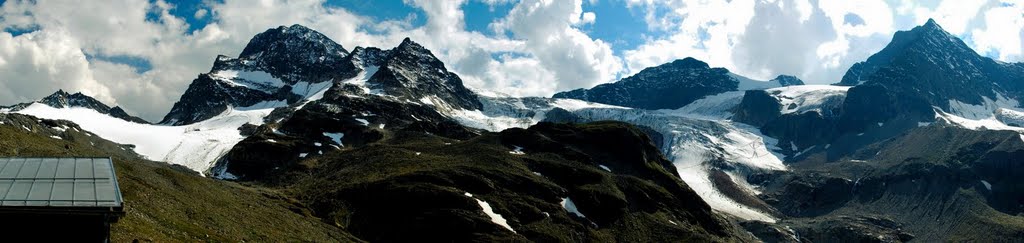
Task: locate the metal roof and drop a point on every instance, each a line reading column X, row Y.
column 58, row 182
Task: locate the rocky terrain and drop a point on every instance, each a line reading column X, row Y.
column 917, row 143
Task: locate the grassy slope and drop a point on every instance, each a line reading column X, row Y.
column 412, row 184
column 168, row 204
column 929, row 180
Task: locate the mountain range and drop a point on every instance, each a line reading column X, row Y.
column 920, row 142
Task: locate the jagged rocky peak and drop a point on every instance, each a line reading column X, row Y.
column 787, row 80
column 930, row 63
column 412, row 72
column 667, row 86
column 929, row 41
column 287, row 63
column 689, row 62
column 368, row 56
column 63, row 99
column 291, row 53
column 293, row 39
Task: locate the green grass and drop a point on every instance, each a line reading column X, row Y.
column 168, row 204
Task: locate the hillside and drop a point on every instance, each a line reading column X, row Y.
column 167, row 203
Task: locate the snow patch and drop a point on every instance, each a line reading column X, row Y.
column 255, row 80
column 336, row 137
column 361, row 79
column 517, row 151
column 998, row 114
column 750, row 84
column 574, row 105
column 477, row 119
column 495, row 217
column 363, row 121
column 311, row 91
column 805, row 98
column 990, row 123
column 717, row 106
column 571, row 207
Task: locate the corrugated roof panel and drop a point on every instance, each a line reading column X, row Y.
column 63, row 182
column 11, row 169
column 29, row 169
column 65, row 168
column 47, row 169
column 5, row 185
column 18, row 193
column 83, row 168
column 101, row 170
column 40, row 193
column 63, row 192
column 3, row 163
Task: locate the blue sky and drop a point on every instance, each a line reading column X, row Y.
column 620, row 25
column 142, row 54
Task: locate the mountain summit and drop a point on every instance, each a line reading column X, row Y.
column 282, row 66
column 413, row 72
column 671, row 85
column 293, row 52
column 929, row 61
column 63, row 99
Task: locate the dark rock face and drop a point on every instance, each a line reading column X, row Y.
column 930, row 64
column 787, row 80
column 412, row 186
column 303, row 58
column 870, row 104
column 299, row 57
column 294, row 53
column 207, row 97
column 361, row 118
column 959, row 177
column 802, row 130
column 668, row 86
column 412, row 72
column 757, row 108
column 831, row 229
column 61, row 99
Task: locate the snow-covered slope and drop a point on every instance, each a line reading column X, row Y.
column 196, row 146
column 696, row 138
column 999, row 114
column 803, row 98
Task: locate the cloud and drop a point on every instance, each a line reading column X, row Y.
column 537, row 49
column 36, row 64
column 697, row 29
column 814, row 40
column 548, row 30
column 1003, row 32
column 589, row 18
column 874, row 17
